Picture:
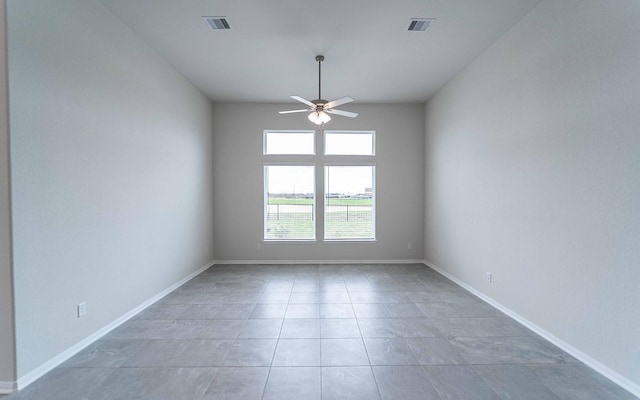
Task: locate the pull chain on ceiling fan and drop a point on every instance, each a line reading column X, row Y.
column 320, row 108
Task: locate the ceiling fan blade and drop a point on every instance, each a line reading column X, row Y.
column 343, row 113
column 301, row 100
column 339, row 102
column 294, row 111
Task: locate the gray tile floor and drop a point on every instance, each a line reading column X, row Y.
column 321, row 332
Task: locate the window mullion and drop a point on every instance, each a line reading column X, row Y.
column 319, row 209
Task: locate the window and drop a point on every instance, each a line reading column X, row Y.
column 349, row 143
column 348, row 202
column 289, row 202
column 289, row 142
column 343, row 175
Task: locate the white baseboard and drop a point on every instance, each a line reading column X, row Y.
column 8, row 387
column 589, row 361
column 304, row 262
column 36, row 373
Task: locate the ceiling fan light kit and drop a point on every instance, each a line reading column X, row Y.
column 319, row 117
column 320, row 108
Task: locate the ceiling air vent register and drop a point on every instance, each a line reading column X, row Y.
column 217, row 23
column 420, row 24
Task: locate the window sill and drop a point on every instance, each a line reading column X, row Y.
column 350, row 241
column 289, row 241
column 313, row 241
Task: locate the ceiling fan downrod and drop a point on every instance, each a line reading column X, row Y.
column 319, row 59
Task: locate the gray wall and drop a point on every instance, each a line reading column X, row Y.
column 7, row 342
column 238, row 181
column 111, row 173
column 533, row 173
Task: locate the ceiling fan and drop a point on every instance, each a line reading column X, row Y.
column 319, row 107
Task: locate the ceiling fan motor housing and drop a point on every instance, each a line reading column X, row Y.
column 319, row 102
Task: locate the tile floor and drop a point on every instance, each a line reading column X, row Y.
column 321, row 332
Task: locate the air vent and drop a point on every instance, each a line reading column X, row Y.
column 217, row 23
column 420, row 24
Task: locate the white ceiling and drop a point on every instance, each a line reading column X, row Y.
column 269, row 54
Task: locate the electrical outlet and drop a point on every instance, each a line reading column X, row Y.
column 82, row 309
column 489, row 277
column 409, row 245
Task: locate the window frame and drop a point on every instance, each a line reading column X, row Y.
column 319, row 160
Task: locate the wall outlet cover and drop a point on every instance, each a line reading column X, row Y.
column 82, row 309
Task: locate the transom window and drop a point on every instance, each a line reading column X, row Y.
column 343, row 175
column 289, row 142
column 349, row 143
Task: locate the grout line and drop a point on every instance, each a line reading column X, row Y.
column 365, row 346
